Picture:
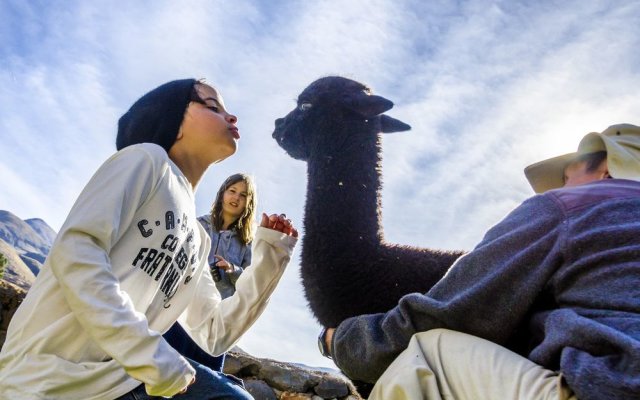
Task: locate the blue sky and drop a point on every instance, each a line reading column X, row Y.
column 488, row 87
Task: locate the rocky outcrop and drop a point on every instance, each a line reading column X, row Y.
column 10, row 298
column 26, row 245
column 21, row 234
column 16, row 270
column 275, row 380
column 42, row 229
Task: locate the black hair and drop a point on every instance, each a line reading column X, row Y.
column 195, row 96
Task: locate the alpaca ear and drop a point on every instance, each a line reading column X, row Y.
column 367, row 105
column 389, row 125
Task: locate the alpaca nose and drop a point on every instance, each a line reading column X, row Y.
column 279, row 123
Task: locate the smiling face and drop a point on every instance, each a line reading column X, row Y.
column 208, row 133
column 234, row 206
column 234, row 201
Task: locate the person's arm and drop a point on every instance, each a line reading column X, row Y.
column 80, row 261
column 217, row 325
column 486, row 293
column 236, row 270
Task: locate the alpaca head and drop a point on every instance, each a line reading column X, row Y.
column 329, row 109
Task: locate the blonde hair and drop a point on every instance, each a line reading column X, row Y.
column 243, row 225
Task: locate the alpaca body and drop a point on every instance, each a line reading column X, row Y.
column 347, row 269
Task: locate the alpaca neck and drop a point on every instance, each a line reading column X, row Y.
column 343, row 193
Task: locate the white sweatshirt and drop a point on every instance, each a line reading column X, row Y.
column 129, row 261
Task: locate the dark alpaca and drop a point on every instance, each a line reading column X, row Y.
column 347, row 268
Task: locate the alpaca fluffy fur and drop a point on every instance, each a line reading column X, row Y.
column 347, row 268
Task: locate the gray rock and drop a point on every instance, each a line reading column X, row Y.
column 287, row 377
column 294, row 381
column 259, row 389
column 331, row 388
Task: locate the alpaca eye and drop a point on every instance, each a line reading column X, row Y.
column 305, row 106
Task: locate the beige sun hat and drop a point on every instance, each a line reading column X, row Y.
column 622, row 143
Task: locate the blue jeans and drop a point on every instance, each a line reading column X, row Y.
column 180, row 340
column 209, row 385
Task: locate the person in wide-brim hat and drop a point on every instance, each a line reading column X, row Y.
column 547, row 305
column 620, row 142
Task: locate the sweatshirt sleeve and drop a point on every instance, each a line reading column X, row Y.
column 80, row 262
column 217, row 325
column 486, row 292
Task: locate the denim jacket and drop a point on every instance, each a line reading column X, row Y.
column 227, row 244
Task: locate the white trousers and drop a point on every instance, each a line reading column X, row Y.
column 441, row 364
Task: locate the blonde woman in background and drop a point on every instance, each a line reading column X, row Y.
column 231, row 228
